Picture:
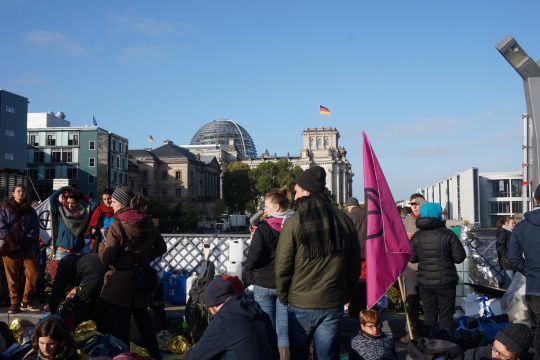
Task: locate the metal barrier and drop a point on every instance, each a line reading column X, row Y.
column 185, row 251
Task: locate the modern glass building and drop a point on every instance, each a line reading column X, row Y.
column 221, row 132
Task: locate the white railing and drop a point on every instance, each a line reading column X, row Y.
column 185, row 251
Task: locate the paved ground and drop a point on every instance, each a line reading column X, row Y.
column 393, row 323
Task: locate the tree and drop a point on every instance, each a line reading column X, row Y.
column 237, row 187
column 274, row 175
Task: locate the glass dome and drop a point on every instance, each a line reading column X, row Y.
column 220, row 131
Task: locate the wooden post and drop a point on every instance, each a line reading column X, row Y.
column 404, row 299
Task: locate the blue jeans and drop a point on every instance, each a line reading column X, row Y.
column 321, row 325
column 269, row 302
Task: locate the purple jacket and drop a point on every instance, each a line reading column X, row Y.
column 29, row 229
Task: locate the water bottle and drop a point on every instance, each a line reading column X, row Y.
column 189, row 283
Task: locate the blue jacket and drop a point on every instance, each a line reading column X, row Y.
column 63, row 236
column 524, row 250
column 240, row 330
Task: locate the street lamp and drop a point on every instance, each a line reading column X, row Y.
column 529, row 71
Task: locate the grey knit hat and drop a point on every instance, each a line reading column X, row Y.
column 123, row 195
column 516, row 337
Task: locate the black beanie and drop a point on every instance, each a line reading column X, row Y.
column 312, row 179
column 217, row 292
column 516, row 337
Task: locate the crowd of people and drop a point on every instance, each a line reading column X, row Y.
column 303, row 267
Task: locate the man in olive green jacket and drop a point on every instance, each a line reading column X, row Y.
column 317, row 263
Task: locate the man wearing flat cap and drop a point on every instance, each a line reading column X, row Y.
column 239, row 328
column 317, row 264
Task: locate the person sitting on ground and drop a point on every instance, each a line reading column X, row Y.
column 239, row 328
column 52, row 341
column 511, row 343
column 371, row 343
column 102, row 218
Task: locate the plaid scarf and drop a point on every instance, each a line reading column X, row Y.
column 320, row 231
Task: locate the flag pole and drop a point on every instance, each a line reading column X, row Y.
column 32, row 183
column 404, row 299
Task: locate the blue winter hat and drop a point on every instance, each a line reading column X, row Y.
column 432, row 210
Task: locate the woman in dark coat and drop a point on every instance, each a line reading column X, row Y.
column 505, row 226
column 132, row 243
column 436, row 250
column 19, row 230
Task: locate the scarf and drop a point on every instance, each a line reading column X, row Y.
column 276, row 219
column 75, row 221
column 506, row 227
column 320, row 232
column 101, row 209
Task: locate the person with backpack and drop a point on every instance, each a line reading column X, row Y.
column 239, row 328
column 511, row 343
column 259, row 266
column 132, row 243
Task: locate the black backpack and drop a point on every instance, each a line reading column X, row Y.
column 196, row 313
column 429, row 349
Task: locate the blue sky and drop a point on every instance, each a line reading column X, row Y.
column 422, row 78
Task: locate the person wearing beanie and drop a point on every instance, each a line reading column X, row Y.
column 511, row 343
column 132, row 242
column 317, row 265
column 410, row 274
column 436, row 250
column 524, row 256
column 238, row 329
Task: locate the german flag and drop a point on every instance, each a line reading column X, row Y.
column 324, row 110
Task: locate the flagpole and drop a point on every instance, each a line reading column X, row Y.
column 404, row 299
column 32, row 183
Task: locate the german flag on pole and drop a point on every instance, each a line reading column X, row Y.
column 323, row 110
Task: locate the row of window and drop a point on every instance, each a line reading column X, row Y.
column 164, row 175
column 50, row 140
column 318, row 142
column 10, row 109
column 505, row 207
column 507, row 188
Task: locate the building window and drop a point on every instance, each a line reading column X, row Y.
column 56, row 155
column 51, row 140
column 10, row 133
column 319, row 142
column 326, row 142
column 114, row 145
column 33, row 173
column 39, row 156
column 517, row 207
column 72, row 173
column 164, row 175
column 498, row 207
column 73, row 138
column 311, row 142
column 501, row 188
column 178, row 175
column 33, row 139
column 120, row 147
column 115, row 177
column 91, row 162
column 91, row 145
column 145, row 175
column 124, row 164
column 50, row 173
column 164, row 193
column 10, row 109
column 178, row 192
column 67, row 155
column 91, row 179
column 516, row 188
column 117, row 162
column 8, row 156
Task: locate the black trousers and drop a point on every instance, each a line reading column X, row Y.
column 119, row 323
column 441, row 302
column 533, row 303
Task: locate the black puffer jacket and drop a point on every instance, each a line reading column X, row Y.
column 259, row 265
column 436, row 250
column 503, row 239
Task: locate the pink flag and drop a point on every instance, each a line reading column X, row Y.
column 387, row 246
